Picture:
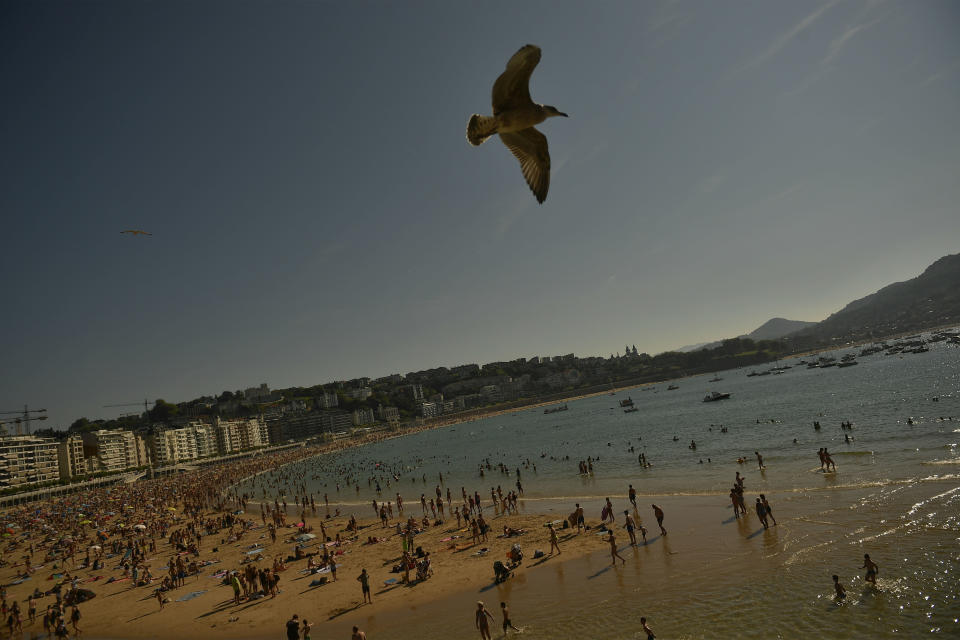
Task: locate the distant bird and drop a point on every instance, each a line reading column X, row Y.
column 137, row 232
column 514, row 115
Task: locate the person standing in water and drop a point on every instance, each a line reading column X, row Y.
column 631, row 526
column 872, row 569
column 612, row 539
column 646, row 629
column 841, row 591
column 483, row 625
column 767, row 509
column 759, row 460
column 658, row 512
column 506, row 619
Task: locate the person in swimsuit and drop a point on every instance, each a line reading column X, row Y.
column 364, row 580
column 646, row 629
column 841, row 592
column 506, row 619
column 554, row 540
column 481, row 621
column 762, row 514
column 767, row 509
column 631, row 526
column 871, row 568
column 658, row 512
column 612, row 539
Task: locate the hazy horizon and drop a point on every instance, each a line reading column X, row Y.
column 317, row 213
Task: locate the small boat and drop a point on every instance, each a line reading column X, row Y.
column 672, row 387
column 631, row 410
column 562, row 407
column 713, row 396
column 627, row 403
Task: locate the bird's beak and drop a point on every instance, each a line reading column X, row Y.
column 561, row 113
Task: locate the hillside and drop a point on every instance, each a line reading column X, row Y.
column 930, row 299
column 770, row 330
column 777, row 328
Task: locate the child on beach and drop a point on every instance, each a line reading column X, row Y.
column 841, row 591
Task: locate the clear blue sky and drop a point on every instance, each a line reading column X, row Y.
column 317, row 213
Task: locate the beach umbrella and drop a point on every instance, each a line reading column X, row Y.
column 141, row 527
column 171, row 508
column 95, row 547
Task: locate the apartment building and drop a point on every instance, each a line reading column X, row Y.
column 70, row 458
column 362, row 415
column 112, row 450
column 27, row 459
column 388, row 414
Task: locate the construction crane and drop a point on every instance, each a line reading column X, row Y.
column 24, row 420
column 146, row 405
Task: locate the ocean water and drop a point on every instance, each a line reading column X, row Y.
column 895, row 495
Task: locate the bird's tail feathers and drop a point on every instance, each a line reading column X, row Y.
column 480, row 128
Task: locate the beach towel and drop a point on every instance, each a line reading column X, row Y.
column 327, row 569
column 219, row 574
column 254, row 551
column 190, row 596
column 317, row 583
column 390, row 581
column 21, row 580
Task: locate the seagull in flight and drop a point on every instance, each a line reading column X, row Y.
column 514, row 115
column 137, row 232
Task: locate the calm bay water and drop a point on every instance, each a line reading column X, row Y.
column 896, row 495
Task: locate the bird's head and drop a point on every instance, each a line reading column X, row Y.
column 553, row 111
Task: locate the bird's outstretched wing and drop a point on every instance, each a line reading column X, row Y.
column 135, row 232
column 530, row 148
column 512, row 88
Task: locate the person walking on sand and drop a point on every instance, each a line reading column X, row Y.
column 612, row 539
column 767, row 509
column 658, row 512
column 839, row 588
column 632, row 494
column 364, row 580
column 554, row 540
column 506, row 619
column 481, row 621
column 872, row 569
column 293, row 628
column 631, row 527
column 581, row 523
column 759, row 460
column 646, row 629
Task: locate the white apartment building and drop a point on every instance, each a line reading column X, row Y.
column 70, row 458
column 27, row 460
column 238, row 435
column 362, row 415
column 112, row 450
column 417, row 392
column 388, row 414
column 360, row 393
column 429, row 409
column 328, row 400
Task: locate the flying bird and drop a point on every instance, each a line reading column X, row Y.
column 137, row 232
column 514, row 115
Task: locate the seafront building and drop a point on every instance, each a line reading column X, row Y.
column 70, row 457
column 109, row 450
column 28, row 459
